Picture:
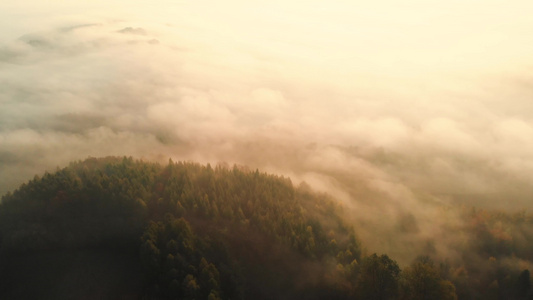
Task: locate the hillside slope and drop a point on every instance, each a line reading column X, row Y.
column 119, row 228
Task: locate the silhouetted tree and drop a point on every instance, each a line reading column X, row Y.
column 378, row 278
column 422, row 281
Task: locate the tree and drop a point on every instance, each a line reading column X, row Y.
column 190, row 287
column 378, row 278
column 523, row 284
column 422, row 281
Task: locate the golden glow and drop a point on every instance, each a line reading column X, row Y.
column 410, row 100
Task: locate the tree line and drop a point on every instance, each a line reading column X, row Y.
column 203, row 232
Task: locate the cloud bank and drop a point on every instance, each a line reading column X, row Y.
column 398, row 111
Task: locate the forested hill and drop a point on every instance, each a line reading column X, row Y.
column 117, row 227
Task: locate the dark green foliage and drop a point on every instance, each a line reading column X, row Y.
column 171, row 254
column 201, row 232
column 422, row 281
column 76, row 207
column 378, row 278
column 523, row 285
column 188, row 231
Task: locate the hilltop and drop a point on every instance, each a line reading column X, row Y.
column 119, row 228
column 178, row 230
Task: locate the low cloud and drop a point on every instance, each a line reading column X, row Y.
column 397, row 142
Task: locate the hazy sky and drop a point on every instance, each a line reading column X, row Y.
column 390, row 106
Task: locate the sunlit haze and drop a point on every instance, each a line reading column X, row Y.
column 393, row 107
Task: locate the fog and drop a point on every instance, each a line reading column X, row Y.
column 399, row 110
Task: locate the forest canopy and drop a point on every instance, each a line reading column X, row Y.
column 122, row 228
